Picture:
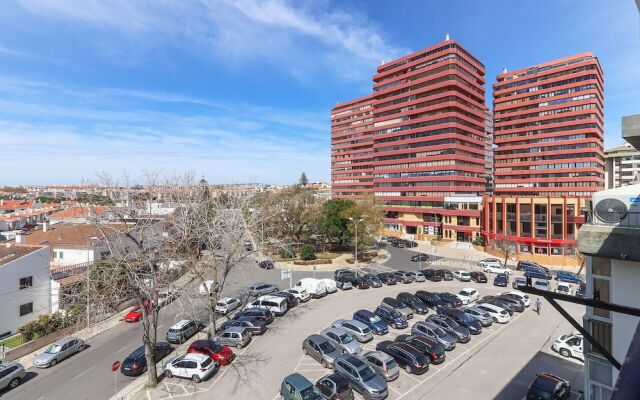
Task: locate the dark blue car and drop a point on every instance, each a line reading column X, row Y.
column 537, row 273
column 378, row 326
column 570, row 277
column 392, row 317
column 501, row 280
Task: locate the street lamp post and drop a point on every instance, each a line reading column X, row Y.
column 356, row 225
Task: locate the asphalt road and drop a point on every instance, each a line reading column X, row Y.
column 88, row 375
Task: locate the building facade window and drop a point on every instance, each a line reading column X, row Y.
column 26, row 309
column 26, row 282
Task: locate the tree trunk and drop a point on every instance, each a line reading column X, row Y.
column 149, row 327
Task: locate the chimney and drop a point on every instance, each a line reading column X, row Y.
column 446, row 37
column 45, row 226
column 504, row 70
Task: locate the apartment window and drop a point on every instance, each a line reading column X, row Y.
column 601, row 275
column 26, row 309
column 601, row 332
column 26, row 282
column 601, row 266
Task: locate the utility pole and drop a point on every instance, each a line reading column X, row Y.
column 356, row 225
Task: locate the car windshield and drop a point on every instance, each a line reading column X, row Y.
column 464, row 293
column 395, row 314
column 310, row 393
column 345, row 338
column 544, row 387
column 374, row 319
column 53, row 349
column 367, row 373
column 221, row 304
column 453, row 324
column 326, row 347
column 391, row 364
column 439, row 332
column 466, row 318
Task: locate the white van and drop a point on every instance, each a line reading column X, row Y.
column 277, row 305
column 330, row 285
column 205, row 288
column 315, row 287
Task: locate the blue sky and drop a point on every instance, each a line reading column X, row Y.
column 241, row 90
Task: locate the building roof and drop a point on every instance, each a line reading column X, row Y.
column 79, row 212
column 9, row 253
column 71, row 234
column 15, row 204
column 619, row 150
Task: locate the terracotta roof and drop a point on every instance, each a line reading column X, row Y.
column 79, row 212
column 12, row 253
column 15, row 204
column 70, row 234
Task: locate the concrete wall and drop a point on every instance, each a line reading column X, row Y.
column 625, row 280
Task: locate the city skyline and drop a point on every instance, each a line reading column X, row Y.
column 84, row 91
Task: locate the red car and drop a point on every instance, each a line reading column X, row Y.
column 222, row 355
column 135, row 315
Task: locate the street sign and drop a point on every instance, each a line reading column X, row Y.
column 115, row 366
column 285, row 274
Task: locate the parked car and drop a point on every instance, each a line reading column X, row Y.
column 261, row 288
column 431, row 275
column 501, row 280
column 343, row 271
column 569, row 277
column 569, row 346
column 221, row 355
column 417, row 276
column 359, row 282
column 387, row 278
column 433, row 331
column 418, row 257
column 136, row 363
column 410, row 243
column 320, row 349
column 564, row 288
column 516, row 303
column 497, row 269
column 403, row 276
column 537, row 272
column 478, row 277
column 357, row 329
column 263, row 314
column 183, row 330
column 58, row 351
column 492, row 262
column 522, row 265
column 235, row 336
column 377, row 325
column 334, row 387
column 542, row 284
column 480, row 315
column 499, row 314
column 276, row 304
column 266, row 264
column 548, row 387
column 361, row 376
column 461, row 333
column 472, row 324
column 401, row 307
column 519, row 283
column 291, row 299
column 372, row 280
column 343, row 282
column 194, row 366
column 135, row 314
column 502, row 303
column 429, row 347
column 462, row 276
column 413, row 302
column 207, row 288
column 297, row 387
column 342, row 340
column 407, row 356
column 581, row 290
column 391, row 316
column 516, row 294
column 382, row 364
column 252, row 324
column 445, row 274
column 431, row 300
column 451, row 299
column 11, row 374
column 300, row 293
column 468, row 295
column 329, row 285
column 226, row 304
column 165, row 297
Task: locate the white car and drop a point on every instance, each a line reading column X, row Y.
column 468, row 295
column 569, row 346
column 498, row 314
column 301, row 294
column 522, row 296
column 494, row 262
column 226, row 304
column 330, row 285
column 206, row 288
column 462, row 276
column 194, row 366
column 498, row 269
column 542, row 284
column 564, row 288
column 165, row 297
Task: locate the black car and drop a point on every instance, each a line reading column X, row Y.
column 431, row 275
column 501, row 280
column 451, row 299
column 407, row 356
column 387, row 278
column 413, row 302
column 292, row 300
column 419, row 257
column 334, row 387
column 549, row 387
column 136, row 363
column 430, row 299
column 464, row 319
column 358, row 282
column 523, row 265
column 478, row 277
column 391, row 317
column 263, row 314
column 266, row 264
column 410, row 243
column 431, row 348
column 251, row 324
column 445, row 274
column 341, row 280
column 372, row 280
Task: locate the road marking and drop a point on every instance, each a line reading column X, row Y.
column 394, row 390
column 409, row 376
column 83, row 372
column 122, row 349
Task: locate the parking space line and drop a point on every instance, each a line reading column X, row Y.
column 402, row 371
column 394, row 390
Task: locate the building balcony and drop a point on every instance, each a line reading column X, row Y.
column 617, row 241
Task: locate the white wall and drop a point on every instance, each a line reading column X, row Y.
column 35, row 264
column 625, row 280
column 72, row 256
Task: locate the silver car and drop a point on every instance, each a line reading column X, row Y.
column 11, row 374
column 417, row 276
column 362, row 377
column 58, row 351
column 235, row 336
column 261, row 288
column 479, row 314
column 433, row 331
column 226, row 304
column 356, row 328
column 382, row 363
column 320, row 349
column 342, row 340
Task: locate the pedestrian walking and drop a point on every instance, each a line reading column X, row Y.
column 538, row 305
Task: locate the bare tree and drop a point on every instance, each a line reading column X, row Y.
column 507, row 248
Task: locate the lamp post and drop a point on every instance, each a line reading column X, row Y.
column 356, row 225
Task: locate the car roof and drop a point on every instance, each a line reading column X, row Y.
column 258, row 284
column 8, row 364
column 355, row 361
column 299, row 381
column 337, row 331
column 382, row 356
column 468, row 289
column 236, row 329
column 195, row 357
column 227, row 299
column 64, row 340
column 180, row 324
column 365, row 312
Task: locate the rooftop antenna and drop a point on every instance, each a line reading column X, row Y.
column 504, row 70
column 446, row 37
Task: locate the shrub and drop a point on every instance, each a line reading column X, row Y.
column 307, row 252
column 287, row 252
column 46, row 325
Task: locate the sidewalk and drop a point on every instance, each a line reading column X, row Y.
column 336, row 263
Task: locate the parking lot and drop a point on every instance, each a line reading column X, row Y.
column 499, row 363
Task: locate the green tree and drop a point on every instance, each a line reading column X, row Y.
column 370, row 212
column 303, row 180
column 307, row 252
column 332, row 223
